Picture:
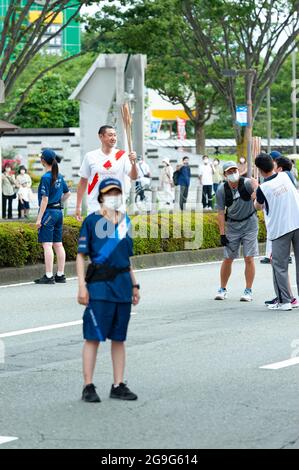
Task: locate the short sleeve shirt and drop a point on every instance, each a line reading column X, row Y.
column 206, row 174
column 52, row 192
column 94, row 234
column 97, row 166
column 239, row 209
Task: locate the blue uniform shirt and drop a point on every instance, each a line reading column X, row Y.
column 55, row 192
column 184, row 176
column 90, row 243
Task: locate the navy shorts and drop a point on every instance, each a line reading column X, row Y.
column 103, row 319
column 51, row 228
column 24, row 205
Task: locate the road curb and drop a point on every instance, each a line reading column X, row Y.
column 154, row 260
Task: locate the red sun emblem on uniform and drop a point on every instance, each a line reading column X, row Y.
column 107, row 165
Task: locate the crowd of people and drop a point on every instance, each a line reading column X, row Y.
column 109, row 288
column 19, row 188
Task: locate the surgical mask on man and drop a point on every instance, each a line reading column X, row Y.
column 233, row 177
column 113, row 202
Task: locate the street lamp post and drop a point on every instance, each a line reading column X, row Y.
column 250, row 74
column 294, row 101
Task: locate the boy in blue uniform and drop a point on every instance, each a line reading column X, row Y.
column 109, row 288
column 52, row 192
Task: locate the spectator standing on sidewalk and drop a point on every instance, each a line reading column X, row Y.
column 8, row 191
column 184, row 178
column 205, row 176
column 24, row 198
column 242, row 166
column 166, row 181
column 22, row 177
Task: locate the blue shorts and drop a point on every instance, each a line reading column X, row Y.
column 51, row 229
column 24, row 205
column 103, row 319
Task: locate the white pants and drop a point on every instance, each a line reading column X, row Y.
column 168, row 192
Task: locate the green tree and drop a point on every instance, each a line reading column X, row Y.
column 251, row 34
column 21, row 41
column 47, row 105
column 49, row 95
column 157, row 28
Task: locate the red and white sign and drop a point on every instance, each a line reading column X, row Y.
column 181, row 128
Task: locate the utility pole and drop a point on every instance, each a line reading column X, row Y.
column 294, row 101
column 250, row 75
column 250, row 79
column 269, row 120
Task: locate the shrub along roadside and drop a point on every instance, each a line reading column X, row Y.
column 155, row 234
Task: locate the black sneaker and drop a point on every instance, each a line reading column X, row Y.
column 265, row 260
column 45, row 280
column 122, row 392
column 272, row 302
column 90, row 395
column 60, row 279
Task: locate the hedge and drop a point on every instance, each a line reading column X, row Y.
column 19, row 246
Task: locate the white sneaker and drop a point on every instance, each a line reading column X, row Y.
column 247, row 296
column 222, row 294
column 283, row 307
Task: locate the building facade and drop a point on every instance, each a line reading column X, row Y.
column 67, row 41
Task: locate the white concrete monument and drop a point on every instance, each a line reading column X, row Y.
column 112, row 80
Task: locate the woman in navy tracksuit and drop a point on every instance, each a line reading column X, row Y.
column 109, row 288
column 52, row 192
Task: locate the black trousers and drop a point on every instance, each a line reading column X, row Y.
column 183, row 196
column 7, row 201
column 207, row 196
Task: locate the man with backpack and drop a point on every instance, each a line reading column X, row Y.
column 238, row 225
column 181, row 177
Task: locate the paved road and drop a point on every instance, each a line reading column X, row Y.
column 194, row 362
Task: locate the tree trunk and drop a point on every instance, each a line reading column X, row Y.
column 200, row 139
column 241, row 141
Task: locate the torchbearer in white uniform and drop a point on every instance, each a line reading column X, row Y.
column 104, row 162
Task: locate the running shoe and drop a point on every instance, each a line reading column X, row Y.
column 247, row 296
column 90, row 395
column 284, row 307
column 122, row 392
column 271, row 302
column 222, row 294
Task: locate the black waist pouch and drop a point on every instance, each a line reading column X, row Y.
column 103, row 272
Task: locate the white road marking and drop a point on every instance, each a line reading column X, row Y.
column 30, row 283
column 4, row 439
column 38, row 329
column 280, row 365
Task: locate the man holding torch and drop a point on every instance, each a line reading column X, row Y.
column 104, row 162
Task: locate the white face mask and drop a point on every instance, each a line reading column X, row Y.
column 22, row 172
column 216, row 163
column 242, row 160
column 234, row 177
column 206, row 162
column 113, row 202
